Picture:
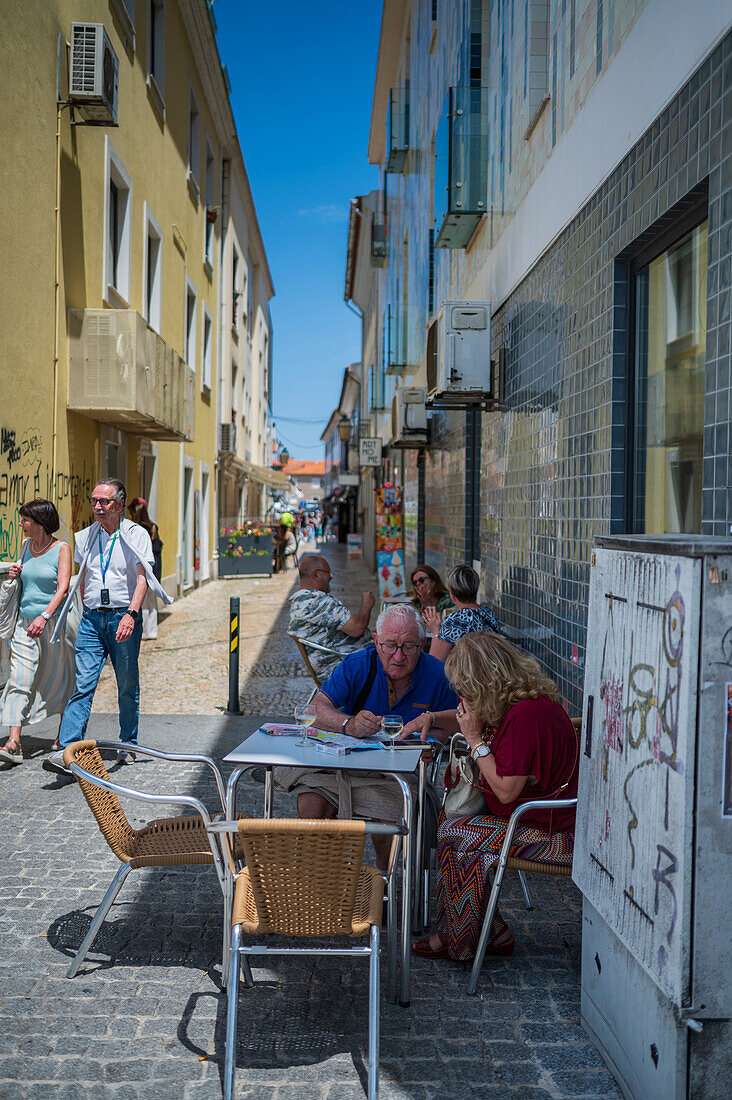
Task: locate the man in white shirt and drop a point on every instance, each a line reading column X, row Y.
column 116, row 559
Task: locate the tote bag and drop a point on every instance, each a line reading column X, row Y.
column 9, row 604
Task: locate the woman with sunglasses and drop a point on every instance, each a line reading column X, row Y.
column 429, row 590
column 524, row 746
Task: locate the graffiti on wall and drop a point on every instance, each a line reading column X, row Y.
column 25, row 475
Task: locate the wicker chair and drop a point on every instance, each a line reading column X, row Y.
column 306, row 879
column 543, row 867
column 164, row 842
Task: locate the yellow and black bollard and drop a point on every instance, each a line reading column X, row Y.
column 233, row 707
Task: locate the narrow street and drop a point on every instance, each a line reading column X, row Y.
column 144, row 1019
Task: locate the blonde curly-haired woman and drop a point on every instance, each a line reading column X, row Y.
column 525, row 747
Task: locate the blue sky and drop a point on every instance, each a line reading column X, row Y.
column 301, row 93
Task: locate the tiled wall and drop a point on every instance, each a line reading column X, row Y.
column 553, row 462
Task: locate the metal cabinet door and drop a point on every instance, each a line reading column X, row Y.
column 633, row 856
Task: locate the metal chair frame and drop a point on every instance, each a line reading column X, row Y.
column 303, row 647
column 143, row 796
column 236, row 949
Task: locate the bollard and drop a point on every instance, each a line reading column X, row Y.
column 233, row 707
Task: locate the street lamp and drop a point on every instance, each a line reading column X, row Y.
column 344, row 429
column 284, row 456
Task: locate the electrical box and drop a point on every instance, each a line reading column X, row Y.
column 459, row 352
column 94, row 74
column 653, row 842
column 409, row 417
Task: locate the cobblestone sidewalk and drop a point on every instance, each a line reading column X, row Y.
column 144, row 1019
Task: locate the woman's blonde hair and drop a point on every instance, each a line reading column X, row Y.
column 491, row 675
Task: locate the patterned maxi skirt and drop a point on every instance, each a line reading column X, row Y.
column 467, row 848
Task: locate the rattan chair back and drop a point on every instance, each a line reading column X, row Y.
column 105, row 805
column 304, row 654
column 304, row 875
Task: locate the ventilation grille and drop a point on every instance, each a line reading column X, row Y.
column 83, row 57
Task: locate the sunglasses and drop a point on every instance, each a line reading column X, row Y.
column 420, row 580
column 101, row 501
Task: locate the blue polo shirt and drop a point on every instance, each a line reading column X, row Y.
column 428, row 689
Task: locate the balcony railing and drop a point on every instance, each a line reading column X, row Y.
column 397, row 130
column 396, row 358
column 122, row 373
column 461, row 167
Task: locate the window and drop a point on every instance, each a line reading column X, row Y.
column 152, row 271
column 191, row 301
column 234, row 384
column 668, row 406
column 125, row 11
column 206, row 352
column 194, row 145
column 117, row 220
column 210, row 211
column 235, row 291
column 156, row 51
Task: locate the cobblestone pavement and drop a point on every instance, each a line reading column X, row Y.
column 144, row 1019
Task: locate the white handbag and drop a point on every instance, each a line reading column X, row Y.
column 463, row 796
column 9, row 604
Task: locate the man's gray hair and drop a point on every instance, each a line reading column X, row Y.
column 120, row 493
column 401, row 615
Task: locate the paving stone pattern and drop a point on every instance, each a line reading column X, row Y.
column 144, row 1019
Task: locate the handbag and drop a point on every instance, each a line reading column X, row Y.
column 9, row 604
column 463, row 796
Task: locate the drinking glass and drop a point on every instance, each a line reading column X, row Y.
column 391, row 726
column 305, row 715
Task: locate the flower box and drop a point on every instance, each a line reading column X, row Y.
column 245, row 555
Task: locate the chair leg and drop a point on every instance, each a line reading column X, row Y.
column 96, row 924
column 525, row 888
column 485, row 931
column 391, row 930
column 374, row 1014
column 231, row 1013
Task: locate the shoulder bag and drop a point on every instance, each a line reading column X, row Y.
column 10, row 591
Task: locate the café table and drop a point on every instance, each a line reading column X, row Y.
column 274, row 751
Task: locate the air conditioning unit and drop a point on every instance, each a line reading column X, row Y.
column 228, row 439
column 94, row 74
column 459, row 352
column 409, row 417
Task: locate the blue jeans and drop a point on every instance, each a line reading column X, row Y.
column 95, row 642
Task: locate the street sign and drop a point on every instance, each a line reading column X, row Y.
column 369, row 452
column 349, row 479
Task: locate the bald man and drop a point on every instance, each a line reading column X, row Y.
column 316, row 616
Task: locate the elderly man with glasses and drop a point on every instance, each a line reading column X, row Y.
column 397, row 677
column 115, row 559
column 316, row 616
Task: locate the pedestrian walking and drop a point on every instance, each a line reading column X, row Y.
column 115, row 557
column 139, row 514
column 41, row 674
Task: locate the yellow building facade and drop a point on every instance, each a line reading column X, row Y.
column 117, row 370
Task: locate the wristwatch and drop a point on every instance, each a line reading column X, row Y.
column 45, row 615
column 480, row 750
column 134, row 614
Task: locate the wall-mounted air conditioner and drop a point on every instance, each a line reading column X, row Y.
column 228, row 439
column 459, row 353
column 93, row 75
column 409, row 417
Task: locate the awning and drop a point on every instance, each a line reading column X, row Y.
column 275, row 479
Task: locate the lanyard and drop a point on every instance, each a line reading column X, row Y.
column 104, row 567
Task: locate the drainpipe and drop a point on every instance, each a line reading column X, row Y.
column 60, row 104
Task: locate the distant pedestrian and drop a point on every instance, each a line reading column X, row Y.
column 139, row 514
column 115, row 558
column 41, row 675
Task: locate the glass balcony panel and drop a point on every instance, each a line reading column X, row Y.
column 379, row 248
column 461, row 167
column 397, row 129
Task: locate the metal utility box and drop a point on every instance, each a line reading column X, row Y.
column 653, row 848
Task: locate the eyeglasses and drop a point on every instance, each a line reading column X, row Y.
column 420, row 580
column 407, row 648
column 101, row 501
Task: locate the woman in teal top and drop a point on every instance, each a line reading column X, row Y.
column 41, row 675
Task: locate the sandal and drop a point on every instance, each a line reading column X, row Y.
column 12, row 752
column 425, row 950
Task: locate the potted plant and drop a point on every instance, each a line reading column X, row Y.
column 246, row 550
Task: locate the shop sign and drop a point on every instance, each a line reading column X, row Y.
column 369, row 452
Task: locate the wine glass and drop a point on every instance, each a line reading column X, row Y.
column 391, row 726
column 305, row 715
